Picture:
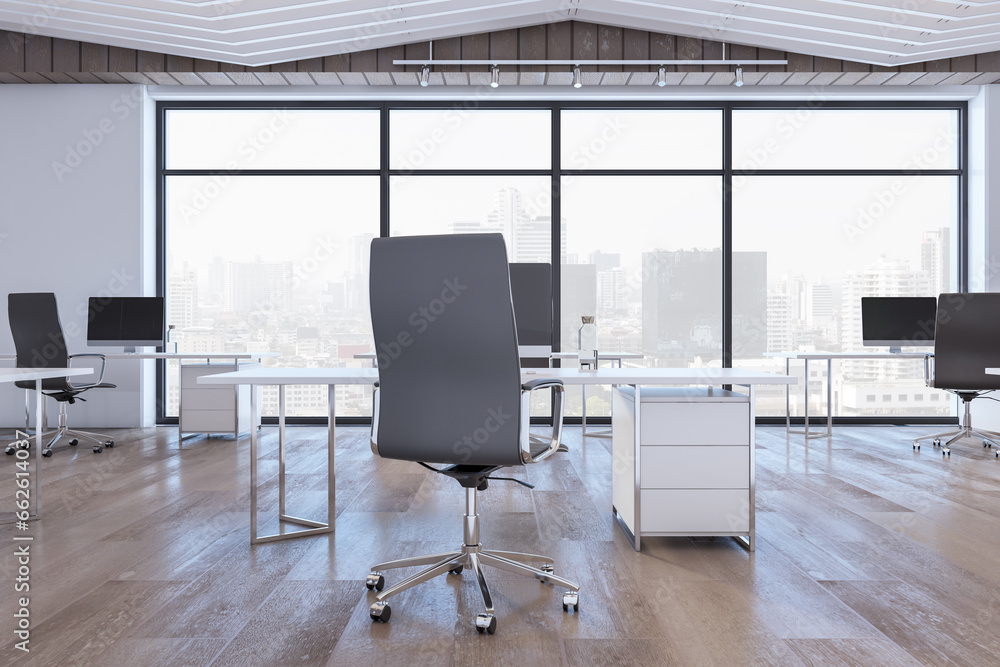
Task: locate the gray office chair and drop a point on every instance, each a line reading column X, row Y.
column 450, row 391
column 966, row 342
column 39, row 343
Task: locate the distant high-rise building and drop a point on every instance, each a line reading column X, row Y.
column 883, row 278
column 611, row 289
column 819, row 304
column 257, row 287
column 605, row 261
column 182, row 299
column 682, row 303
column 935, row 259
column 578, row 297
column 779, row 322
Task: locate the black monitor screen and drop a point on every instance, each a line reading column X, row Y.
column 898, row 321
column 126, row 321
column 531, row 291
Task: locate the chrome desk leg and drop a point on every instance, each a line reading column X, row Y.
column 829, row 395
column 788, row 397
column 312, row 527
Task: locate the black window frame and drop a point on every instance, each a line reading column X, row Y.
column 556, row 171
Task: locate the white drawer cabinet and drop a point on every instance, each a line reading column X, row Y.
column 213, row 409
column 683, row 462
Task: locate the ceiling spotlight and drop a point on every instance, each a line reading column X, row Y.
column 495, row 77
column 661, row 77
column 577, row 79
column 739, row 76
column 425, row 74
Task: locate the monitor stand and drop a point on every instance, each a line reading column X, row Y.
column 130, row 350
column 895, row 350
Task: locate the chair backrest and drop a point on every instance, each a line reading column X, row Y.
column 966, row 341
column 531, row 291
column 449, row 377
column 38, row 336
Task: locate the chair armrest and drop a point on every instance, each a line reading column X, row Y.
column 929, row 369
column 87, row 385
column 374, row 433
column 557, row 418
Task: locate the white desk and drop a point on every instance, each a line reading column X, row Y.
column 334, row 376
column 829, row 357
column 37, row 374
column 181, row 357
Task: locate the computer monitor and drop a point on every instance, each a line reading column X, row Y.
column 898, row 321
column 127, row 321
column 531, row 292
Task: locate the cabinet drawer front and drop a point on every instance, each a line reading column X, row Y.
column 219, row 398
column 686, row 467
column 208, row 421
column 694, row 424
column 694, row 510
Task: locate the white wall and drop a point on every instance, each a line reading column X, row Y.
column 72, row 159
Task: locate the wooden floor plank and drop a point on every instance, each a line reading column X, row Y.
column 869, row 552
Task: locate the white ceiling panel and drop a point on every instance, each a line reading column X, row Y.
column 261, row 32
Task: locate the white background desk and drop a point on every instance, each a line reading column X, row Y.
column 38, row 374
column 829, row 357
column 193, row 408
column 334, row 376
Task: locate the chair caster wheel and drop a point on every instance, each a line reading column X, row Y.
column 571, row 599
column 486, row 623
column 987, row 443
column 946, row 452
column 74, row 442
column 916, row 447
column 375, row 581
column 47, row 453
column 937, row 443
column 380, row 611
column 9, row 451
column 109, row 444
column 548, row 568
column 456, row 570
column 98, row 449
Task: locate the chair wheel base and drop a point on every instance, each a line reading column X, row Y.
column 381, row 612
column 486, row 623
column 571, row 599
column 375, row 581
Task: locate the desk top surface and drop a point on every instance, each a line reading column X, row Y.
column 640, row 376
column 169, row 355
column 847, row 355
column 19, row 374
column 607, row 356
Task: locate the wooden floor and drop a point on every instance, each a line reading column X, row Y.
column 868, row 553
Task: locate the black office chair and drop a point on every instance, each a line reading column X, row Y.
column 39, row 343
column 450, row 390
column 966, row 342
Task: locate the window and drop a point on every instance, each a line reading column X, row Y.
column 273, row 260
column 841, row 203
column 691, row 247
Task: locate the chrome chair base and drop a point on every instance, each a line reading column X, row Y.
column 473, row 556
column 991, row 439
